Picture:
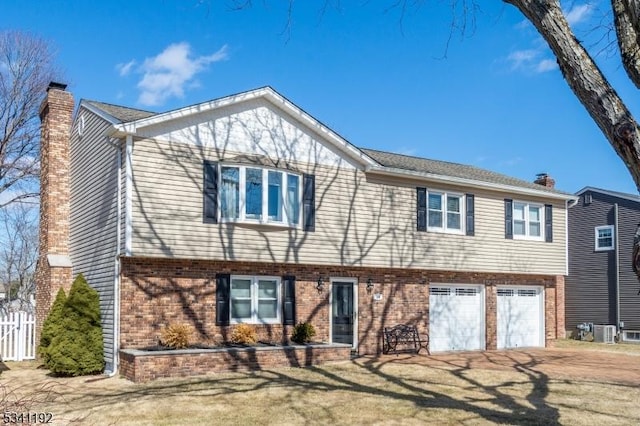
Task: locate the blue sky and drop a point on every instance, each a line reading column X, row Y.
column 379, row 79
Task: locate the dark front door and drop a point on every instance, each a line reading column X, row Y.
column 342, row 312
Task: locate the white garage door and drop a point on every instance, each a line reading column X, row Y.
column 520, row 317
column 456, row 318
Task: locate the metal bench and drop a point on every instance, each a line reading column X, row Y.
column 403, row 338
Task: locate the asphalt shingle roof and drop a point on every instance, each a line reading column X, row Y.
column 445, row 168
column 386, row 159
column 121, row 113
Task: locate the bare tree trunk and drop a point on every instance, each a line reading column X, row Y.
column 627, row 20
column 587, row 82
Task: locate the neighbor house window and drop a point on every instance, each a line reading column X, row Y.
column 604, row 237
column 255, row 299
column 528, row 220
column 254, row 194
column 444, row 212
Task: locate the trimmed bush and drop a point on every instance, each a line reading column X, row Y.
column 303, row 332
column 77, row 347
column 176, row 336
column 244, row 334
column 51, row 325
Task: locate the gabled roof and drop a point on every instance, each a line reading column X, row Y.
column 615, row 194
column 455, row 173
column 128, row 121
column 446, row 168
column 121, row 114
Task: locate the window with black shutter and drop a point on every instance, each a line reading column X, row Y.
column 470, row 203
column 288, row 300
column 210, row 192
column 548, row 223
column 222, row 299
column 309, row 202
column 421, row 209
column 508, row 218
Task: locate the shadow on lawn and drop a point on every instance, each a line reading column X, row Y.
column 383, row 377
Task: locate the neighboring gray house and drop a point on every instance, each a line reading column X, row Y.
column 601, row 287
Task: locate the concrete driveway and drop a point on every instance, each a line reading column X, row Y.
column 601, row 366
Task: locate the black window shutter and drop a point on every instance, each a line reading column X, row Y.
column 421, row 209
column 223, row 293
column 210, row 192
column 470, row 203
column 548, row 223
column 508, row 218
column 309, row 203
column 289, row 300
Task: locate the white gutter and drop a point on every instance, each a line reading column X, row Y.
column 453, row 180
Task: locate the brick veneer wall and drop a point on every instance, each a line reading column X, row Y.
column 56, row 114
column 157, row 292
column 142, row 367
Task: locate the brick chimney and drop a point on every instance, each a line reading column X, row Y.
column 545, row 180
column 53, row 269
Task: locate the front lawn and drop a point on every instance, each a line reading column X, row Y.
column 513, row 387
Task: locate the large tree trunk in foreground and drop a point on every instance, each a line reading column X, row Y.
column 585, row 79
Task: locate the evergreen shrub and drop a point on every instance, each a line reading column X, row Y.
column 51, row 326
column 303, row 332
column 77, row 347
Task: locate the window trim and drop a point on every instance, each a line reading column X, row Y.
column 254, row 299
column 597, row 246
column 462, row 212
column 286, row 221
column 527, row 222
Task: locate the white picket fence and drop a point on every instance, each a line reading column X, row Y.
column 17, row 336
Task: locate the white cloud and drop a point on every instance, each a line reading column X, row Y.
column 522, row 58
column 531, row 60
column 546, row 65
column 171, row 71
column 125, row 69
column 579, row 13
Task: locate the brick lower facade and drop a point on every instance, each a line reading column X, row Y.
column 158, row 292
column 142, row 367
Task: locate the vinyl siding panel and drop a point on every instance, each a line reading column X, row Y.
column 628, row 219
column 591, row 285
column 93, row 215
column 360, row 220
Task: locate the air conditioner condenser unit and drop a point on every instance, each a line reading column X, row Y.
column 604, row 333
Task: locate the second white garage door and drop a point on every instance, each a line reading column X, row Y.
column 456, row 318
column 520, row 317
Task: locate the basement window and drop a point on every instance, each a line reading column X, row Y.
column 631, row 336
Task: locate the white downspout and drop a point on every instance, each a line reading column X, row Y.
column 116, row 278
column 617, row 250
column 128, row 196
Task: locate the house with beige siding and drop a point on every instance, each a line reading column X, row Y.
column 246, row 209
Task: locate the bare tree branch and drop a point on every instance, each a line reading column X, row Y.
column 626, row 17
column 26, row 68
